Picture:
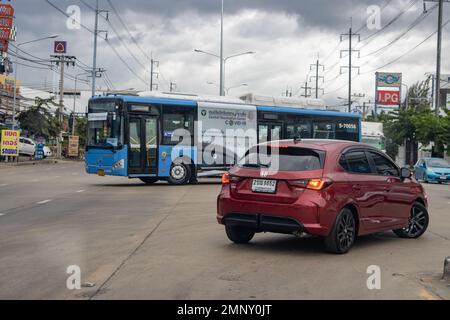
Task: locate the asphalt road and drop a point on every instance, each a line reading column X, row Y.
column 133, row 241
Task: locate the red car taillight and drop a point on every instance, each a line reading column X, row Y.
column 229, row 179
column 312, row 184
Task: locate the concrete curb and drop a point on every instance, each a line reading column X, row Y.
column 27, row 163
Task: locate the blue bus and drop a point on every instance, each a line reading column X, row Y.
column 179, row 138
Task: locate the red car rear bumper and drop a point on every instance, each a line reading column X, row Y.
column 310, row 213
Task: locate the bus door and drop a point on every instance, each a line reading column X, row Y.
column 143, row 148
column 270, row 131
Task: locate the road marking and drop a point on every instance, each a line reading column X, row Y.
column 2, row 214
column 80, row 191
column 45, row 201
column 4, row 185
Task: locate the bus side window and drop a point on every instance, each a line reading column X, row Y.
column 176, row 121
column 299, row 131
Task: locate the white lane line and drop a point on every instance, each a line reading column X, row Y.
column 45, row 201
column 4, row 185
column 2, row 214
column 81, row 191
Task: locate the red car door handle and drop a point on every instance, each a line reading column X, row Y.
column 356, row 187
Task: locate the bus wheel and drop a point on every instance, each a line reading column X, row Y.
column 180, row 173
column 149, row 180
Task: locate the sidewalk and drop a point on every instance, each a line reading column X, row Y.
column 26, row 162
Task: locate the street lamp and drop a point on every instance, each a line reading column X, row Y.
column 16, row 66
column 227, row 90
column 222, row 68
column 237, row 86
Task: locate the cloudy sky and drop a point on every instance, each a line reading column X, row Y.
column 287, row 36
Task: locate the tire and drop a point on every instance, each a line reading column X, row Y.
column 239, row 235
column 180, row 174
column 418, row 223
column 149, row 180
column 343, row 235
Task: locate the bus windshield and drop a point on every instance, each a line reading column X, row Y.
column 105, row 125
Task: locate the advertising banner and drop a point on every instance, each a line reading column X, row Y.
column 74, row 143
column 388, row 98
column 6, row 10
column 39, row 153
column 7, row 85
column 231, row 127
column 9, row 145
column 6, row 22
column 386, row 79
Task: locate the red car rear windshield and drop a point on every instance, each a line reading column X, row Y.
column 287, row 159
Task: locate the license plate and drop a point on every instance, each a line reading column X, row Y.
column 264, row 186
column 443, row 178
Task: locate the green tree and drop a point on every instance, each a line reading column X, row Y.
column 39, row 121
column 81, row 127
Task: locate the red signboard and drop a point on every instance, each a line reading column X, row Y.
column 6, row 23
column 4, row 46
column 60, row 47
column 388, row 98
column 5, row 34
column 6, row 10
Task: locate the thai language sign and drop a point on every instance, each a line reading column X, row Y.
column 9, row 145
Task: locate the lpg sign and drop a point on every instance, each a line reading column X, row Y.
column 388, row 98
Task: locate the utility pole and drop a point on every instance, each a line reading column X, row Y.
column 153, row 74
column 307, row 89
column 61, row 61
column 364, row 111
column 288, row 92
column 317, row 65
column 438, row 63
column 350, row 66
column 173, row 86
column 96, row 33
column 437, row 89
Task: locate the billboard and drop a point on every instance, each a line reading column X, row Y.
column 388, row 98
column 389, row 79
column 7, row 85
column 388, row 91
column 74, row 142
column 9, row 145
column 6, row 10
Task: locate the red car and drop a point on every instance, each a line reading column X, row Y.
column 337, row 190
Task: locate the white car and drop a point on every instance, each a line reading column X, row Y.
column 28, row 147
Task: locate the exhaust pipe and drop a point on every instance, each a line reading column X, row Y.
column 302, row 234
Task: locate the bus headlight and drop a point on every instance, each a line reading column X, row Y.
column 119, row 164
